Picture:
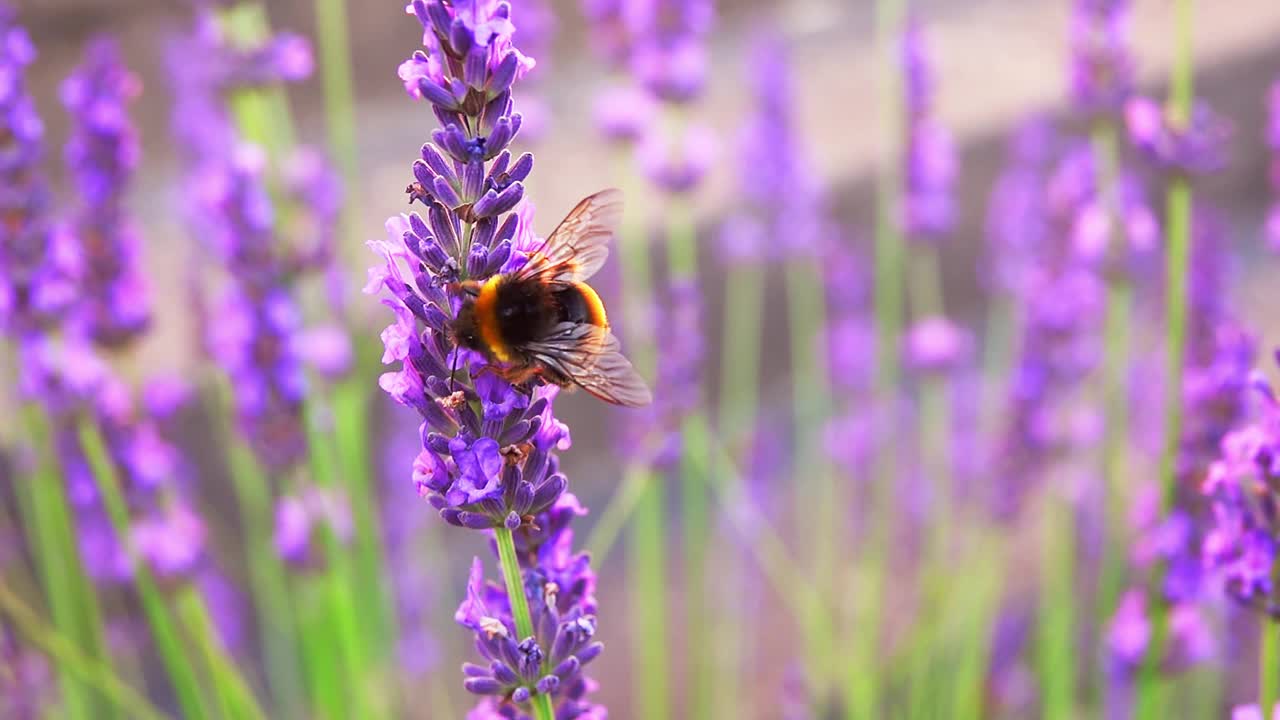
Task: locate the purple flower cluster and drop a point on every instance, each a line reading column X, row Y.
column 1062, row 300
column 1198, row 149
column 560, row 587
column 488, row 448
column 259, row 337
column 113, row 306
column 928, row 205
column 73, row 382
column 1102, row 67
column 1242, row 545
column 34, row 265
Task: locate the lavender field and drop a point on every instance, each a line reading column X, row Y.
column 890, row 359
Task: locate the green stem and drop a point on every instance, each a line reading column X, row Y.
column 864, row 696
column 321, row 652
column 268, row 584
column 338, row 573
column 1151, row 699
column 174, row 657
column 1269, row 666
column 648, row 590
column 72, row 660
column 351, row 424
column 514, row 580
column 231, row 693
column 739, row 399
column 69, row 594
column 1057, row 642
column 339, row 103
column 1115, row 386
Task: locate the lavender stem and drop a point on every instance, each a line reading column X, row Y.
column 1269, row 661
column 514, row 580
column 1151, row 689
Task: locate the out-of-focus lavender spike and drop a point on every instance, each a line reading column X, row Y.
column 26, row 681
column 1102, row 67
column 1017, row 220
column 36, row 265
column 669, row 56
column 300, row 517
column 928, row 205
column 1198, row 149
column 258, row 338
column 113, row 305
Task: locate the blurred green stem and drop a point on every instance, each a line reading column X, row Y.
column 1056, row 645
column 739, row 399
column 269, row 587
column 514, row 580
column 340, row 110
column 233, row 695
column 864, row 693
column 649, row 592
column 1151, row 688
column 1269, row 666
column 163, row 630
column 1115, row 386
column 70, row 659
column 50, row 532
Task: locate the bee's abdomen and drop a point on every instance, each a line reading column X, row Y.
column 579, row 303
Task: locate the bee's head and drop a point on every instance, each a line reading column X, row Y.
column 466, row 333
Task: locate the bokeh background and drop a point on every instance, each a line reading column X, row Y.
column 996, row 63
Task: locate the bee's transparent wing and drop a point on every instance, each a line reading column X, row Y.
column 579, row 245
column 590, row 356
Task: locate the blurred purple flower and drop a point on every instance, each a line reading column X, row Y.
column 102, row 154
column 35, row 265
column 622, row 113
column 300, row 516
column 935, row 344
column 1198, row 149
column 1102, row 67
column 26, row 681
column 669, row 55
column 928, row 204
column 678, row 166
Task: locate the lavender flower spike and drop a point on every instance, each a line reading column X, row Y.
column 101, row 156
column 487, row 457
column 34, row 277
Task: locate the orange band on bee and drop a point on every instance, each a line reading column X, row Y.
column 595, row 306
column 487, row 319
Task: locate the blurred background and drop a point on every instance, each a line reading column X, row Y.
column 995, row 65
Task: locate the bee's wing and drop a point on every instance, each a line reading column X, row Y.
column 590, row 356
column 579, row 245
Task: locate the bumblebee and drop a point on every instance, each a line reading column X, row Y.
column 543, row 321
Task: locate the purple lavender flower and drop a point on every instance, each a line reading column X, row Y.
column 677, row 166
column 928, row 205
column 1241, row 547
column 669, row 56
column 1198, row 149
column 26, row 682
column 488, row 449
column 258, row 337
column 101, row 156
column 301, row 516
column 1102, row 68
column 1017, row 217
column 935, row 344
column 34, row 265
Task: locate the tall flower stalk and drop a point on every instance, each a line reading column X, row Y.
column 488, row 459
